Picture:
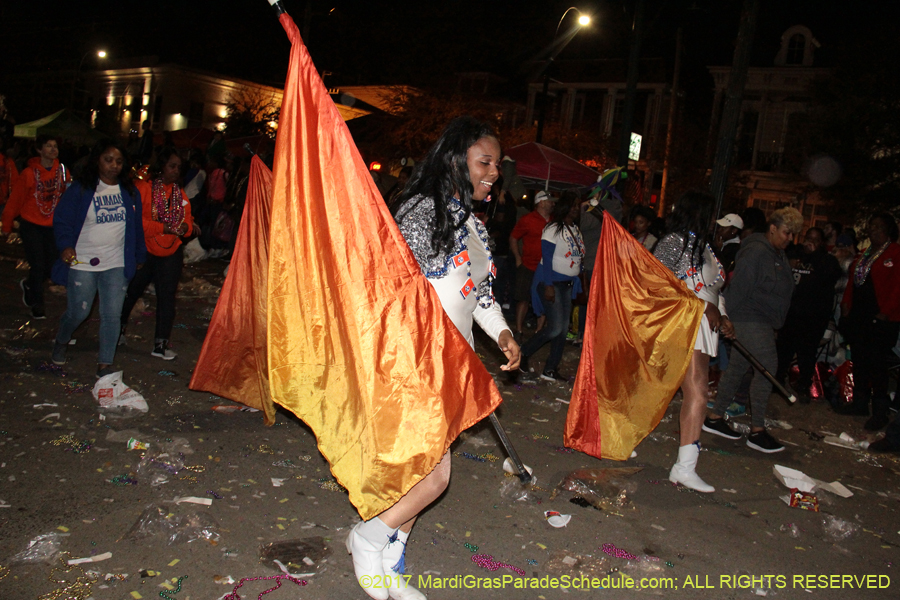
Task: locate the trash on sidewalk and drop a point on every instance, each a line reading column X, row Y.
column 601, row 488
column 305, row 554
column 839, row 529
column 112, row 393
column 90, row 559
column 515, row 490
column 230, row 409
column 509, row 467
column 802, row 500
column 556, row 519
column 793, row 478
column 178, row 525
column 41, row 549
column 791, row 529
column 845, row 440
column 157, row 468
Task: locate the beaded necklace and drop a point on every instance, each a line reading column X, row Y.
column 169, row 211
column 864, row 266
column 47, row 194
column 460, row 257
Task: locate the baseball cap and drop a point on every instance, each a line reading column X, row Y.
column 731, row 220
column 541, row 196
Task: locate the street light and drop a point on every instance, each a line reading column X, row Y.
column 583, row 21
column 99, row 54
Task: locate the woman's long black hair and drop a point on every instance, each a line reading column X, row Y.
column 693, row 213
column 90, row 174
column 444, row 173
column 559, row 212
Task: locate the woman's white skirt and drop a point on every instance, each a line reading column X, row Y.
column 707, row 339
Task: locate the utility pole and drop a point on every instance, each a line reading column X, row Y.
column 670, row 127
column 731, row 114
column 634, row 57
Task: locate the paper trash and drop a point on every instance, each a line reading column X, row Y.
column 795, row 479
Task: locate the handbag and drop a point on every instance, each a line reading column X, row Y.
column 224, row 227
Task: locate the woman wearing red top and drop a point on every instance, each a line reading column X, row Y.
column 34, row 197
column 167, row 217
column 870, row 319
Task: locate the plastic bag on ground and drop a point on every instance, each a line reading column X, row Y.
column 514, row 490
column 112, row 393
column 177, row 524
column 157, row 468
column 42, row 549
column 839, row 529
column 600, row 487
column 194, row 252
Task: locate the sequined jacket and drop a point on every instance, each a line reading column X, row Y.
column 416, row 221
column 704, row 277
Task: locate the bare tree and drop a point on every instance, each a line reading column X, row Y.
column 251, row 112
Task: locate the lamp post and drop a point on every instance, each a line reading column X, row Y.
column 583, row 20
column 99, row 54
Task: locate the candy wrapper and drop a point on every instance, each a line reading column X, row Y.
column 803, row 500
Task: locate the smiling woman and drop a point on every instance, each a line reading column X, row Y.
column 434, row 214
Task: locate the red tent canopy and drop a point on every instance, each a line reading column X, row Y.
column 541, row 167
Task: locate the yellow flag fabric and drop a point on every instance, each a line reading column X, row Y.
column 641, row 326
column 359, row 346
column 232, row 362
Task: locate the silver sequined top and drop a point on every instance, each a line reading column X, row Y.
column 703, row 274
column 415, row 219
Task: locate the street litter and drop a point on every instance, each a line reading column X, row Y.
column 112, row 393
column 193, row 500
column 186, row 527
column 793, row 478
column 839, row 529
column 228, row 409
column 515, row 490
column 845, row 441
column 556, row 519
column 41, row 549
column 276, row 482
column 158, row 468
column 509, row 467
column 299, row 554
column 50, row 416
column 802, row 500
column 601, row 488
column 90, row 559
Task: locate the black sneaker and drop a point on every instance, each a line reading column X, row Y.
column 551, row 375
column 884, row 445
column 24, row 285
column 37, row 313
column 762, row 441
column 720, row 427
column 523, row 365
column 107, row 370
column 876, row 423
column 59, row 353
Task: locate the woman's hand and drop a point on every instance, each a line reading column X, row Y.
column 713, row 316
column 550, row 293
column 726, row 327
column 68, row 255
column 510, row 348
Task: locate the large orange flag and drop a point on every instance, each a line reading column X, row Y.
column 232, row 362
column 359, row 346
column 642, row 322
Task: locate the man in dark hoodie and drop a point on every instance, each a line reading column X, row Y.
column 757, row 301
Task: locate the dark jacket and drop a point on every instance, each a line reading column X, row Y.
column 815, row 277
column 68, row 219
column 761, row 289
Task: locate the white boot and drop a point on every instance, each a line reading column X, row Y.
column 684, row 470
column 366, row 543
column 393, row 559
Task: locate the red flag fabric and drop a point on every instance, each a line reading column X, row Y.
column 641, row 326
column 359, row 345
column 233, row 362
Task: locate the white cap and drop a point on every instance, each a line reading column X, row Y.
column 541, row 196
column 731, row 220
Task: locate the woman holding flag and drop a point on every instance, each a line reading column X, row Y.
column 685, row 251
column 434, row 215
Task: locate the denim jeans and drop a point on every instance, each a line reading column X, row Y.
column 81, row 289
column 554, row 331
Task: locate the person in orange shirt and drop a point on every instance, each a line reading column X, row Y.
column 34, row 197
column 167, row 218
column 8, row 174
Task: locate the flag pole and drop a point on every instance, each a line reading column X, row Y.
column 277, row 6
column 765, row 372
column 524, row 475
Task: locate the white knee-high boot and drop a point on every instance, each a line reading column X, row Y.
column 366, row 543
column 684, row 471
column 393, row 561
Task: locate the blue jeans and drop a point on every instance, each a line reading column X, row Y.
column 81, row 289
column 558, row 313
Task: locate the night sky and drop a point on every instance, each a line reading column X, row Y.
column 404, row 42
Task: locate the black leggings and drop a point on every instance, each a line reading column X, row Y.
column 164, row 272
column 41, row 253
